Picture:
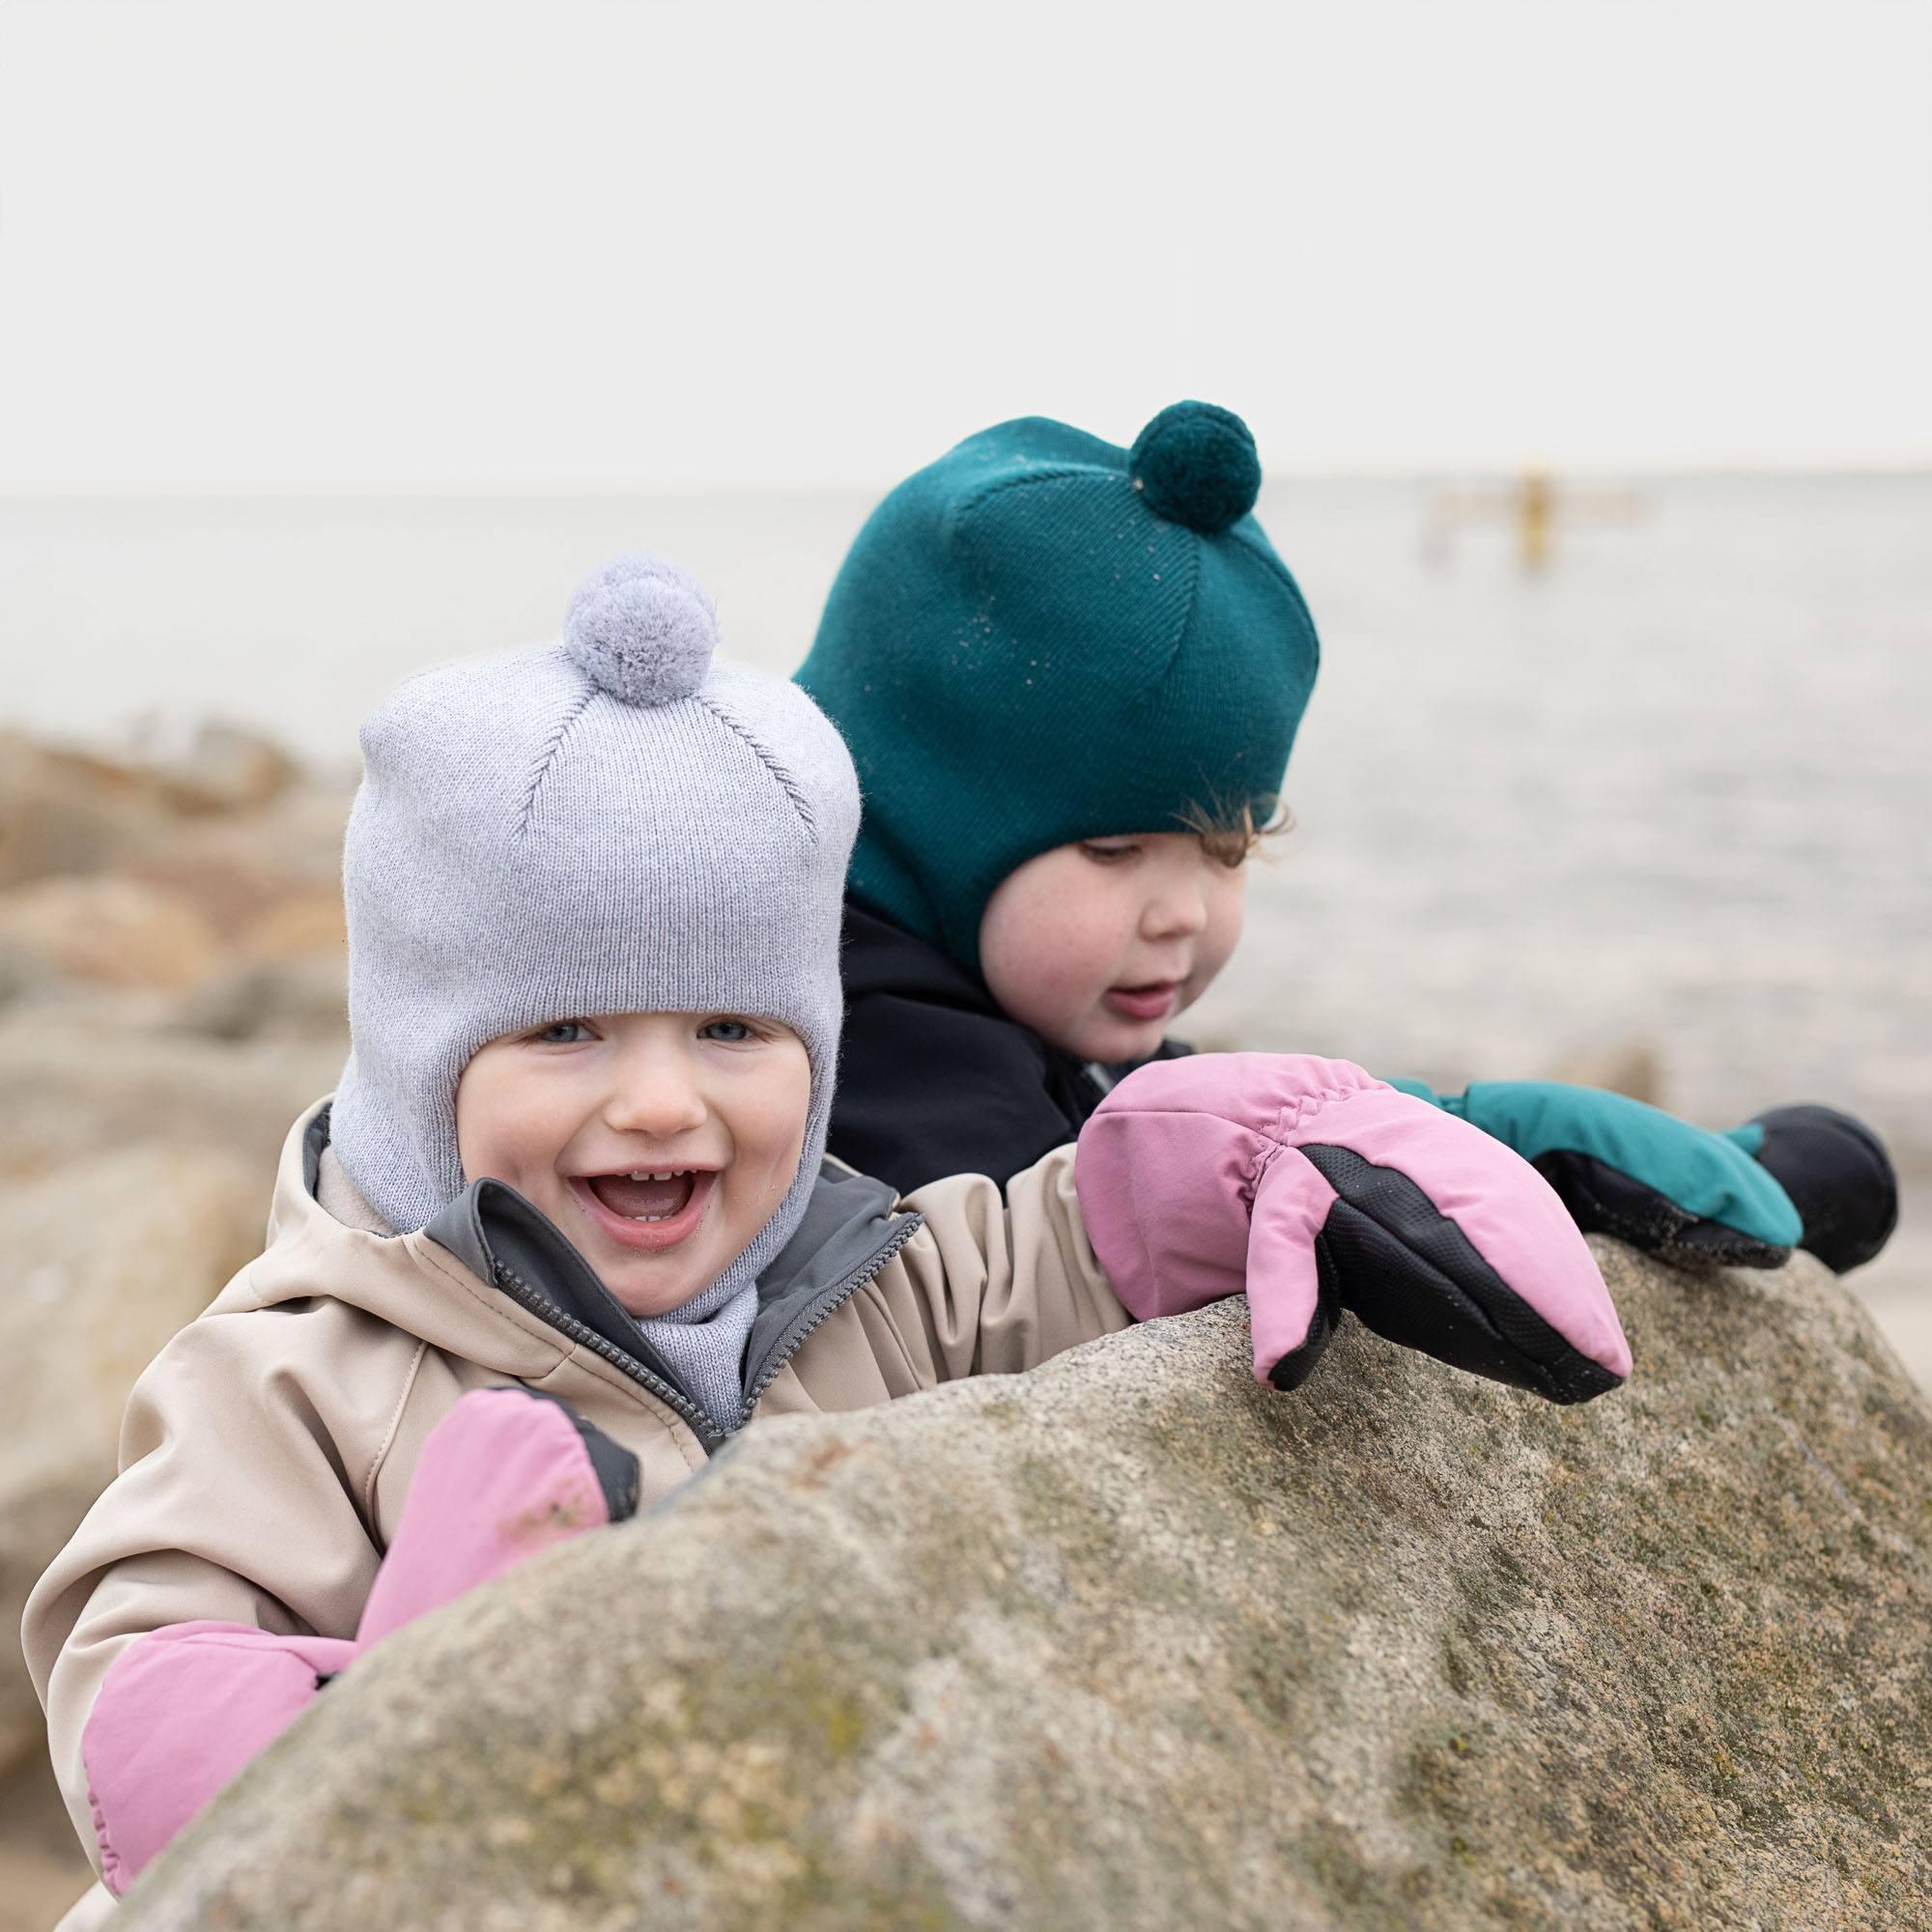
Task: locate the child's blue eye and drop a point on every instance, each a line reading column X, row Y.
column 733, row 1033
column 566, row 1032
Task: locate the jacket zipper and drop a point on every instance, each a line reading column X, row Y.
column 823, row 1312
column 694, row 1413
column 526, row 1296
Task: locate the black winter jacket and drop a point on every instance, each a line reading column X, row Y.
column 934, row 1079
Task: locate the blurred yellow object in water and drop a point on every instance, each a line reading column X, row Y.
column 1531, row 504
column 1533, row 512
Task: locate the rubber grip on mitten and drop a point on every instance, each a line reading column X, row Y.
column 1605, row 1200
column 1411, row 1273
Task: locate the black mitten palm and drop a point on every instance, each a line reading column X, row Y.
column 1837, row 1174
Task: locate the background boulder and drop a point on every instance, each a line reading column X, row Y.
column 77, row 1081
column 109, row 930
column 1133, row 1642
column 171, row 997
column 66, row 810
column 106, row 1261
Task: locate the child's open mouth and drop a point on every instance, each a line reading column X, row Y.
column 647, row 1210
column 1153, row 1001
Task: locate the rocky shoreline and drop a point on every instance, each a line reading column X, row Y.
column 171, row 995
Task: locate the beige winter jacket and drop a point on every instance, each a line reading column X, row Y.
column 267, row 1450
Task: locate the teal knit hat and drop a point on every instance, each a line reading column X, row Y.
column 1043, row 638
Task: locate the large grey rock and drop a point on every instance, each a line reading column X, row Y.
column 1131, row 1643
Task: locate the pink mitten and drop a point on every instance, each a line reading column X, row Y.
column 180, row 1711
column 1315, row 1187
column 505, row 1474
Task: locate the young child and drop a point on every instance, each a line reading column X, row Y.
column 564, row 1226
column 1070, row 675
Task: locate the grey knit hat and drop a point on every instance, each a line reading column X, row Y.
column 611, row 824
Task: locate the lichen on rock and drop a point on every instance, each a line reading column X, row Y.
column 1133, row 1642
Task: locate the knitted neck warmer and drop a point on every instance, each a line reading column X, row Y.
column 704, row 1342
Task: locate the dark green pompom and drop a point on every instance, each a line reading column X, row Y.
column 1196, row 464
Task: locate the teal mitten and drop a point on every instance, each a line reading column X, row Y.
column 1631, row 1170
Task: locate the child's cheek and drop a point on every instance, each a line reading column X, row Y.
column 1225, row 932
column 1227, row 907
column 1078, row 961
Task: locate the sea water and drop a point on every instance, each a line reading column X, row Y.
column 1669, row 791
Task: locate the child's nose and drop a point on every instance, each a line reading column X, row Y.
column 654, row 1095
column 1178, row 913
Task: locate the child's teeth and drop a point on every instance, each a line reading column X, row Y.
column 672, row 1189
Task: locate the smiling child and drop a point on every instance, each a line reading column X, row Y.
column 562, row 1112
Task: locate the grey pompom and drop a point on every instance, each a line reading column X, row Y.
column 641, row 630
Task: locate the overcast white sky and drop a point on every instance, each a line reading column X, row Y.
column 557, row 247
